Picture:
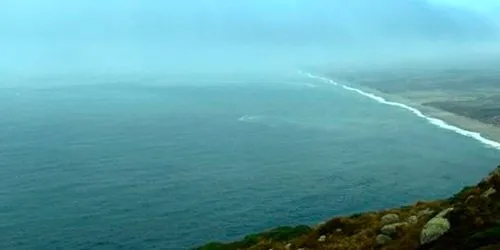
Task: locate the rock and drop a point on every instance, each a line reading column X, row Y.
column 389, row 219
column 288, row 246
column 322, row 238
column 443, row 213
column 382, row 239
column 338, row 230
column 469, row 199
column 391, row 229
column 425, row 212
column 434, row 229
column 488, row 192
column 413, row 219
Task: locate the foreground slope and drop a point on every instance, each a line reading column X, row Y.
column 468, row 220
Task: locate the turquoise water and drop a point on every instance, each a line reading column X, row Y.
column 174, row 163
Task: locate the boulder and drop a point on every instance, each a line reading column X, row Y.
column 322, row 238
column 488, row 192
column 425, row 212
column 434, row 229
column 469, row 199
column 389, row 219
column 413, row 219
column 382, row 239
column 391, row 229
column 443, row 213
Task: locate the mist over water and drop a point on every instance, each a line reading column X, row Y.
column 157, row 124
column 137, row 37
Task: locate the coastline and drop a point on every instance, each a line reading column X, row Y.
column 467, row 220
column 487, row 134
column 487, row 131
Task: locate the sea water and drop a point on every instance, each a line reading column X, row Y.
column 171, row 163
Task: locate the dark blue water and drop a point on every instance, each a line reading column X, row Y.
column 171, row 165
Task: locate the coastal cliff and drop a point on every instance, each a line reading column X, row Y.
column 469, row 219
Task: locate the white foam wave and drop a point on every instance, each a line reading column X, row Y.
column 434, row 121
column 272, row 121
column 248, row 118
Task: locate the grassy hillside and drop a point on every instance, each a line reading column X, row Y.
column 469, row 219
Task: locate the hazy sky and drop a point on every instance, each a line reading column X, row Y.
column 472, row 4
column 158, row 35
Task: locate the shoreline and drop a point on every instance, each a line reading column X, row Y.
column 488, row 135
column 466, row 220
column 487, row 131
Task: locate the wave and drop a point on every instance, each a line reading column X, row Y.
column 434, row 121
column 249, row 118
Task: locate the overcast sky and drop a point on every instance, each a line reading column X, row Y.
column 482, row 5
column 158, row 35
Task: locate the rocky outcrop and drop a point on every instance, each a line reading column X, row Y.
column 322, row 238
column 434, row 229
column 389, row 219
column 392, row 229
column 444, row 213
column 413, row 220
column 488, row 192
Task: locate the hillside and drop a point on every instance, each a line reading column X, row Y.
column 469, row 219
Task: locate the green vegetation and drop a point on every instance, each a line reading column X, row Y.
column 489, row 236
column 464, row 193
column 279, row 234
column 466, row 90
column 472, row 221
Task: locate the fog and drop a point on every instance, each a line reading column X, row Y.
column 191, row 36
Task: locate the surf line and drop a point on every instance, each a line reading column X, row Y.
column 434, row 121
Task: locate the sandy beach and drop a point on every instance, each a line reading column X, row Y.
column 488, row 131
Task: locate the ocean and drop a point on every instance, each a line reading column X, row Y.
column 175, row 162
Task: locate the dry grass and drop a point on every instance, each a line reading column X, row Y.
column 475, row 224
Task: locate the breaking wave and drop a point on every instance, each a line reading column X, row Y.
column 434, row 121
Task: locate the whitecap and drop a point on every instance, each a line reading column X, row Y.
column 248, row 118
column 434, row 121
